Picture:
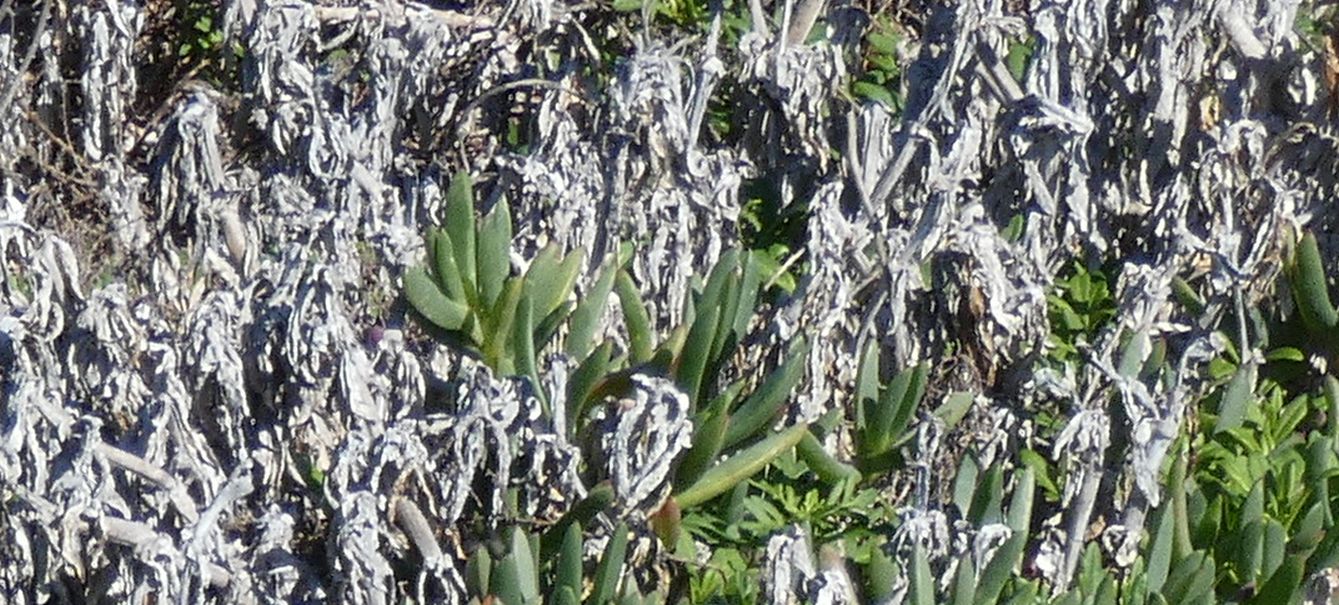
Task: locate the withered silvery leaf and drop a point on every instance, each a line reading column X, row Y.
column 106, row 352
column 643, row 435
column 189, row 166
column 277, row 70
column 213, row 353
column 825, row 305
column 365, row 575
column 789, row 567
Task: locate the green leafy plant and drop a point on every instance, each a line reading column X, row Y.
column 1081, row 305
column 517, row 572
column 881, row 79
column 469, row 289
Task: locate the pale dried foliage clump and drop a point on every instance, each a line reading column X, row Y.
column 210, row 393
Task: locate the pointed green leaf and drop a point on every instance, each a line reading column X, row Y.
column 1250, row 551
column 739, row 467
column 1274, row 548
column 880, row 576
column 611, row 567
column 548, row 327
column 761, row 407
column 582, row 383
column 586, row 317
column 503, row 314
column 708, row 436
column 867, row 385
column 641, row 341
column 897, row 431
column 880, row 419
column 569, row 571
column 494, row 252
column 964, row 581
column 565, row 596
column 444, row 268
column 954, row 408
column 1000, row 568
column 527, row 575
column 1020, row 506
column 828, row 469
column 1284, row 584
column 1310, row 289
column 550, row 278
column 1160, row 548
column 922, row 589
column 749, row 286
column 1236, row 399
column 477, row 570
column 459, row 224
column 523, row 346
column 692, row 361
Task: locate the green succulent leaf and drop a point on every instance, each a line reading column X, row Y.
column 459, row 224
column 1310, row 289
column 641, row 341
column 569, row 565
column 922, row 590
column 494, row 252
column 611, row 567
column 724, row 476
column 431, row 302
column 586, row 317
column 1237, row 398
